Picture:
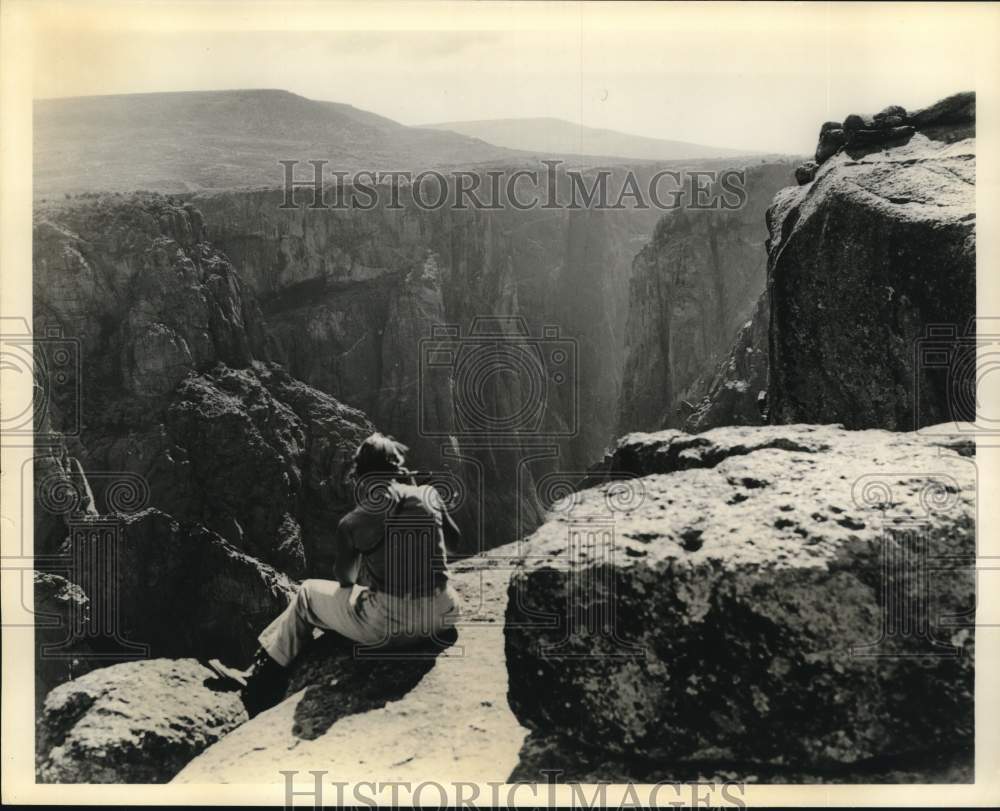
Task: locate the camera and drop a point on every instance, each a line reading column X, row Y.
column 498, row 382
column 951, row 375
column 41, row 379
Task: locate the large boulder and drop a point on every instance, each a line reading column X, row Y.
column 733, row 602
column 177, row 589
column 260, row 458
column 137, row 722
column 874, row 257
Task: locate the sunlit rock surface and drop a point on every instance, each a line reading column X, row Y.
column 729, row 603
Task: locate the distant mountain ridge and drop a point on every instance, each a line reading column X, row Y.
column 555, row 135
column 228, row 139
column 189, row 141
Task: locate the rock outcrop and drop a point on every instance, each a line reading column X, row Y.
column 867, row 315
column 872, row 278
column 60, row 607
column 137, row 722
column 180, row 402
column 692, row 288
column 949, row 120
column 731, row 603
column 176, row 589
column 260, row 458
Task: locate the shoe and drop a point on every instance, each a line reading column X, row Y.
column 264, row 684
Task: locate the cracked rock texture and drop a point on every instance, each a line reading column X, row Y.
column 136, row 722
column 724, row 604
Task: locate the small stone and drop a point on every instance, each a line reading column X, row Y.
column 893, row 111
column 875, row 137
column 806, row 172
column 858, row 122
column 829, row 142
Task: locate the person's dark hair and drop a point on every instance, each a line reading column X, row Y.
column 380, row 454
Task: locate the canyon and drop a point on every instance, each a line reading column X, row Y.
column 232, row 353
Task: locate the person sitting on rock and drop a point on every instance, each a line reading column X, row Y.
column 391, row 569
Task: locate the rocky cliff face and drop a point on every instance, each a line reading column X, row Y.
column 334, row 280
column 180, row 475
column 737, row 608
column 174, row 394
column 150, row 288
column 351, row 298
column 872, row 279
column 737, row 394
column 692, row 288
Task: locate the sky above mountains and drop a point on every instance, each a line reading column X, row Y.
column 752, row 76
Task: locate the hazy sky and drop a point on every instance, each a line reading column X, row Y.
column 759, row 77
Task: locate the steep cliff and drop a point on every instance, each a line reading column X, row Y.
column 352, row 299
column 871, row 282
column 692, row 288
column 171, row 394
column 872, row 274
column 737, row 394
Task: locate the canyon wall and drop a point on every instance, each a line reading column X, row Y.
column 352, row 299
column 170, row 384
column 692, row 288
column 493, row 342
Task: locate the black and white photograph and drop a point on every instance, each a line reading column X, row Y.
column 577, row 404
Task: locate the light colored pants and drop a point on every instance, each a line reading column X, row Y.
column 369, row 617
